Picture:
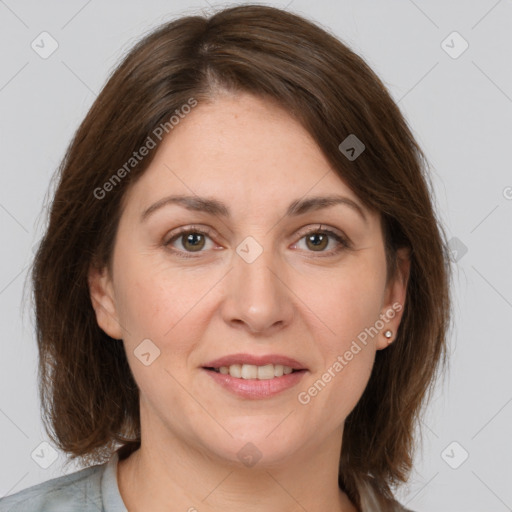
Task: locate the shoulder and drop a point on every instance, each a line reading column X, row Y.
column 371, row 501
column 79, row 491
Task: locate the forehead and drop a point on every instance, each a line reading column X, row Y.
column 244, row 150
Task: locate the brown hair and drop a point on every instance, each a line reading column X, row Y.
column 89, row 397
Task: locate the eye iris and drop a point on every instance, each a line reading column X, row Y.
column 191, row 238
column 322, row 244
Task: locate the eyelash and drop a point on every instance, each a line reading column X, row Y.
column 342, row 241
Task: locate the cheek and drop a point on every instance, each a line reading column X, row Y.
column 343, row 322
column 160, row 309
column 168, row 309
column 153, row 301
column 345, row 301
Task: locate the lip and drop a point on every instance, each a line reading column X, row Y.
column 255, row 388
column 255, row 360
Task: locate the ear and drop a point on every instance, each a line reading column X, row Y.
column 394, row 299
column 103, row 301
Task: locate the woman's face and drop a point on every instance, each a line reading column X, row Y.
column 255, row 284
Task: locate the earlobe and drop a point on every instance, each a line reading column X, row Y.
column 394, row 302
column 103, row 301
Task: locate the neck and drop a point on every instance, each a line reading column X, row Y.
column 166, row 473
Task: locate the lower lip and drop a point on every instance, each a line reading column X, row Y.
column 255, row 388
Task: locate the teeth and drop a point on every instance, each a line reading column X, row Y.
column 250, row 371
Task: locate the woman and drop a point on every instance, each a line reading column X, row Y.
column 242, row 296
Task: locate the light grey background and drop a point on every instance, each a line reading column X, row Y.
column 460, row 109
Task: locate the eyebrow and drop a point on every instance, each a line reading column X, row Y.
column 219, row 209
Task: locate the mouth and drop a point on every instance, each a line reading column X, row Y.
column 252, row 366
column 255, row 382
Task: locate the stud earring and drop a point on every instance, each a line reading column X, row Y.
column 388, row 334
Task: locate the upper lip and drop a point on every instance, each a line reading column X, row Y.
column 255, row 360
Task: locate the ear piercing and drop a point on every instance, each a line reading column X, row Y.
column 388, row 334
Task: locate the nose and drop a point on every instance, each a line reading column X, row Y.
column 258, row 298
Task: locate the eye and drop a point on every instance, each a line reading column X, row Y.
column 317, row 239
column 191, row 240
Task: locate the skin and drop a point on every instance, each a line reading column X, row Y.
column 295, row 299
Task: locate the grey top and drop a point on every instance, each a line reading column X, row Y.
column 94, row 489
